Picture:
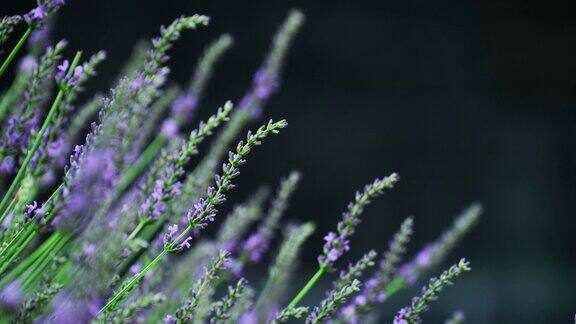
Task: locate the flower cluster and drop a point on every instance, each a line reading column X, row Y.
column 338, row 243
column 38, row 15
column 420, row 304
column 104, row 216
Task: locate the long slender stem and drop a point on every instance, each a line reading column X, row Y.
column 8, row 210
column 37, row 141
column 15, row 50
column 395, row 286
column 13, row 256
column 31, row 259
column 31, row 279
column 132, row 282
column 304, row 291
column 119, row 295
column 138, row 229
column 12, row 94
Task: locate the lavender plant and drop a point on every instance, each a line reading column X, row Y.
column 121, row 237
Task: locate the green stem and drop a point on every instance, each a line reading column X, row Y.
column 32, row 278
column 12, row 94
column 145, row 159
column 37, row 141
column 302, row 293
column 119, row 295
column 9, row 209
column 29, row 261
column 15, row 50
column 138, row 229
column 395, row 286
column 13, row 256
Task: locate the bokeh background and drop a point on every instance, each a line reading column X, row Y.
column 468, row 101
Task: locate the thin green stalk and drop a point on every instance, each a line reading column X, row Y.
column 29, row 261
column 21, row 248
column 395, row 286
column 15, row 50
column 118, row 296
column 39, row 261
column 37, row 140
column 141, row 224
column 10, row 96
column 151, row 232
column 9, row 209
column 32, row 277
column 304, row 291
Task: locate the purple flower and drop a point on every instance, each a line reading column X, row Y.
column 78, row 71
column 185, row 243
column 169, row 128
column 334, row 248
column 172, row 230
column 135, row 268
column 349, row 313
column 408, row 272
column 89, row 250
column 255, row 246
column 62, row 69
column 264, row 85
column 424, row 257
column 11, row 295
column 137, row 83
column 58, row 3
column 401, row 317
column 248, row 318
column 36, row 15
column 7, row 165
column 30, row 209
column 184, row 104
column 70, row 310
column 40, row 38
column 55, row 149
column 28, row 64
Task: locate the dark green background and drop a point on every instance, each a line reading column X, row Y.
column 468, row 101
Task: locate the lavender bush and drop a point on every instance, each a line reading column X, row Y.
column 119, row 237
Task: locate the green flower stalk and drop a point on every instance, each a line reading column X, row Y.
column 38, row 138
column 335, row 299
column 186, row 312
column 118, row 239
column 420, row 304
column 223, row 308
column 337, row 244
column 35, row 18
column 433, row 254
column 204, row 210
column 280, row 272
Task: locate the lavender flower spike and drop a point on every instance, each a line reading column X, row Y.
column 374, row 291
column 257, row 243
column 337, row 243
column 434, row 253
column 329, row 305
column 7, row 25
column 267, row 79
column 420, row 304
column 280, row 272
column 211, row 274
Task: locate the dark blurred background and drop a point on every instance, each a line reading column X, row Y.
column 468, row 101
